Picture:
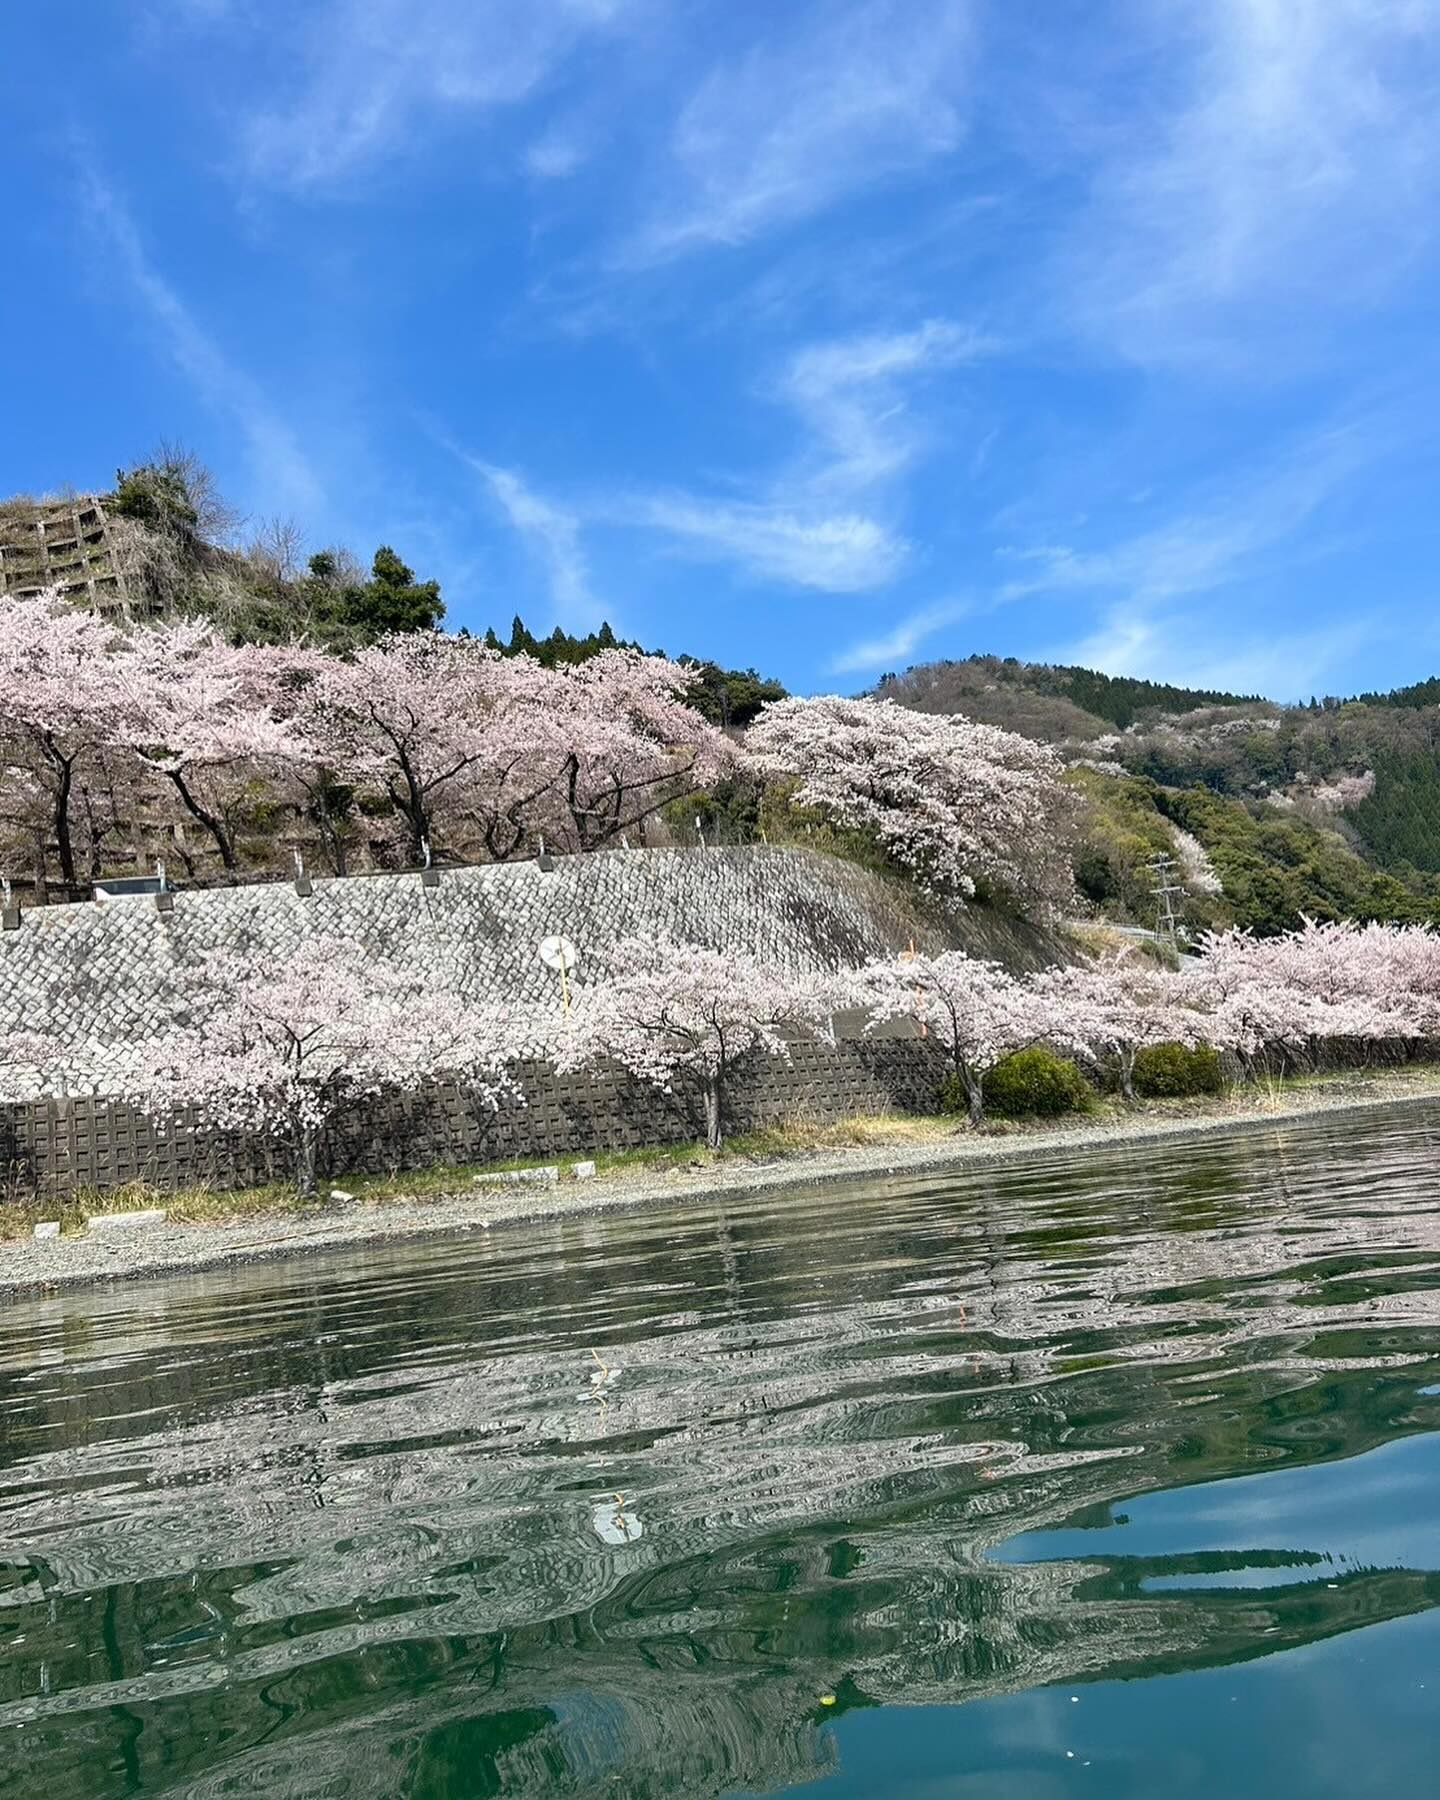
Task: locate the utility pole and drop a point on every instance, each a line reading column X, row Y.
column 1166, row 887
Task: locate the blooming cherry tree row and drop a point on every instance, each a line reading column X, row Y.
column 1249, row 997
column 973, row 1009
column 473, row 751
column 673, row 1012
column 280, row 1050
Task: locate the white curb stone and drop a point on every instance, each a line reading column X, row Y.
column 48, row 1228
column 583, row 1171
column 126, row 1221
column 547, row 1173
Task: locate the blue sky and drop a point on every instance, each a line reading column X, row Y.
column 828, row 337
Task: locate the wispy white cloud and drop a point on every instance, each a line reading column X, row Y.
column 373, row 72
column 848, row 94
column 1223, row 536
column 1238, row 538
column 281, row 468
column 554, row 534
column 900, row 643
column 1295, row 169
column 813, row 524
column 557, row 154
column 1284, row 665
column 850, row 394
column 203, row 11
column 836, row 552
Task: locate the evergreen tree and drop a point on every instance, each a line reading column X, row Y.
column 392, row 600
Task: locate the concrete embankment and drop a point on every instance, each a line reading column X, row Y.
column 27, row 1266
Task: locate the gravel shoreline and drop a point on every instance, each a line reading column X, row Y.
column 28, row 1267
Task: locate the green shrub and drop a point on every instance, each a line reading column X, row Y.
column 1036, row 1084
column 952, row 1095
column 1169, row 1071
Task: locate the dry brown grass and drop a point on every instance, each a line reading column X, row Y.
column 860, row 1131
column 201, row 1205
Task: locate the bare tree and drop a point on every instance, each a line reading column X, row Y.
column 276, row 550
column 216, row 519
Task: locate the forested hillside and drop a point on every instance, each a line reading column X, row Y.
column 1329, row 808
column 1249, row 811
column 1091, row 699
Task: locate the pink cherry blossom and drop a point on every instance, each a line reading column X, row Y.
column 204, row 714
column 462, row 736
column 953, row 801
column 670, row 1011
column 61, row 701
column 278, row 1050
column 1119, row 1005
column 975, row 1011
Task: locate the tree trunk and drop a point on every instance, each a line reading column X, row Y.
column 223, row 842
column 714, row 1122
column 334, row 846
column 974, row 1093
column 1125, row 1064
column 413, row 807
column 307, row 1153
column 325, row 815
column 65, row 775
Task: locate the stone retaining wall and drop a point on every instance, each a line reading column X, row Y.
column 56, row 1147
column 105, row 977
column 108, row 973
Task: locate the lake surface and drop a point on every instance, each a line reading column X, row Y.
column 1115, row 1475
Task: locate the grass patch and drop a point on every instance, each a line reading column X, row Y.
column 200, row 1205
column 863, row 1130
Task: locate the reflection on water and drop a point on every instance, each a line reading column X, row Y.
column 898, row 1492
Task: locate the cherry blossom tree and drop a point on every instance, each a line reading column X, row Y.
column 60, row 702
column 277, row 1049
column 575, row 755
column 671, row 1012
column 1119, row 1005
column 955, row 802
column 1400, row 965
column 28, row 1062
column 627, row 743
column 1288, row 994
column 977, row 1012
column 422, row 712
column 204, row 715
column 1394, row 967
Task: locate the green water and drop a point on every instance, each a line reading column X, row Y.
column 1118, row 1475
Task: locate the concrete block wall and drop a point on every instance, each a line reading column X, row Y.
column 105, row 977
column 56, row 1147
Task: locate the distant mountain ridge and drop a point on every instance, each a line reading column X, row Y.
column 1118, row 700
column 1329, row 808
column 1110, row 699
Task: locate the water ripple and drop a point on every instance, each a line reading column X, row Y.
column 605, row 1506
